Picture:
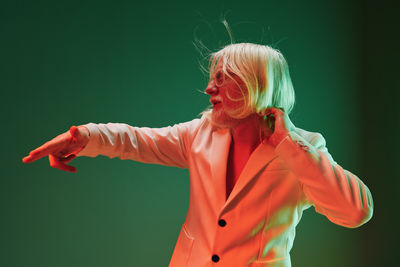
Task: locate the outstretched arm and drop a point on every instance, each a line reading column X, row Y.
column 166, row 146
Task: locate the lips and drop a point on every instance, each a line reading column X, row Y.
column 215, row 102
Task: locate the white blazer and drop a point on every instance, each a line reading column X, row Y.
column 255, row 226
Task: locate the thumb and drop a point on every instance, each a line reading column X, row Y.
column 80, row 134
column 74, row 131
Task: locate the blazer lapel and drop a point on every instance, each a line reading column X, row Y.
column 258, row 160
column 221, row 140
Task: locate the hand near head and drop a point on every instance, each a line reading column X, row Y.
column 279, row 123
column 61, row 149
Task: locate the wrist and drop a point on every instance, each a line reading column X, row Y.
column 83, row 136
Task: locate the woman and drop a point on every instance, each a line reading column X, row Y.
column 252, row 172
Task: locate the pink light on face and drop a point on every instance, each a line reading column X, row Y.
column 225, row 96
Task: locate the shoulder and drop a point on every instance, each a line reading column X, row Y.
column 191, row 128
column 314, row 138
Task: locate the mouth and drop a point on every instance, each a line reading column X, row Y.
column 215, row 102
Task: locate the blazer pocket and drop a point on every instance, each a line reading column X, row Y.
column 279, row 262
column 183, row 249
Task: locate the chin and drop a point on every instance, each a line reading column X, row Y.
column 222, row 120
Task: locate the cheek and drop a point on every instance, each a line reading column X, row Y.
column 233, row 105
column 235, row 99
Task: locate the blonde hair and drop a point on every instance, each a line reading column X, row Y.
column 264, row 72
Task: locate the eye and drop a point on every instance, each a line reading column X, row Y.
column 219, row 78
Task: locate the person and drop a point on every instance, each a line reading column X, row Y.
column 252, row 172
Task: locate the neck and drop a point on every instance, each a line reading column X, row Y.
column 247, row 132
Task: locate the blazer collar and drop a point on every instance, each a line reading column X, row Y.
column 221, row 141
column 258, row 160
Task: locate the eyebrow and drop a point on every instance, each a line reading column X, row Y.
column 233, row 75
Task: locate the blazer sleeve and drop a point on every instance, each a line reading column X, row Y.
column 335, row 192
column 166, row 146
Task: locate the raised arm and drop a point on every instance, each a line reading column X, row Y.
column 336, row 193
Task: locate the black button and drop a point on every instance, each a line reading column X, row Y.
column 222, row 222
column 215, row 258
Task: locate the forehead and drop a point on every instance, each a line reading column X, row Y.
column 225, row 69
column 220, row 65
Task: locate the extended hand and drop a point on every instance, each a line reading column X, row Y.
column 61, row 149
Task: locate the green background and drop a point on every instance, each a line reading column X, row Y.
column 66, row 63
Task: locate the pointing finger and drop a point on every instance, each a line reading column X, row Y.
column 36, row 154
column 47, row 148
column 33, row 156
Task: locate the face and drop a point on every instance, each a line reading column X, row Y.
column 225, row 97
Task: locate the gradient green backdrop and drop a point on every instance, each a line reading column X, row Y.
column 67, row 63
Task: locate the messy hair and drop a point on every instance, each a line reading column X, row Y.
column 264, row 72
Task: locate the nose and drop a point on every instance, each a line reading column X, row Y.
column 211, row 88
